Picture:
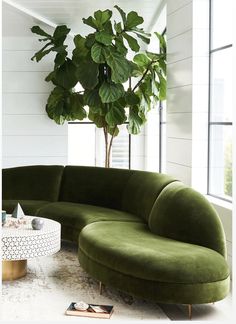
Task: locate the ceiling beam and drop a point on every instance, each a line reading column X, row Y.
column 30, row 13
column 33, row 14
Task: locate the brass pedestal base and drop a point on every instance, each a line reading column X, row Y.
column 12, row 270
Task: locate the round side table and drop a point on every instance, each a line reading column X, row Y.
column 23, row 243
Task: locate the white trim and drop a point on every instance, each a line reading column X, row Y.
column 219, row 202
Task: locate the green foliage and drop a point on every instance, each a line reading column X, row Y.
column 228, row 170
column 100, row 65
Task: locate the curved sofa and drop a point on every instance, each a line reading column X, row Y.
column 141, row 232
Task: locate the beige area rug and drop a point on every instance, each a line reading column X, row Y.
column 53, row 282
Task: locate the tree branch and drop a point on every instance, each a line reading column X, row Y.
column 145, row 73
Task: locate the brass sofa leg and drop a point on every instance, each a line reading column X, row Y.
column 100, row 287
column 190, row 311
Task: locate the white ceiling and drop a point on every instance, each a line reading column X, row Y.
column 71, row 12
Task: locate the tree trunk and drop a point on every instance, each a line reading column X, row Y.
column 108, row 146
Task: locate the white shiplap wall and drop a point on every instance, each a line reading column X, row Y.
column 179, row 94
column 29, row 136
column 187, row 99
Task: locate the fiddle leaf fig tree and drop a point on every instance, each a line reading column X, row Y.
column 115, row 89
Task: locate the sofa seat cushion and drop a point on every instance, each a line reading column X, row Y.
column 131, row 249
column 29, row 207
column 79, row 215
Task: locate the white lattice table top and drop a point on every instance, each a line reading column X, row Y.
column 24, row 243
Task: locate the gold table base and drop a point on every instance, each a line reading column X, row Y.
column 14, row 269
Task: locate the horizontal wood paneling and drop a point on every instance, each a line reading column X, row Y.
column 180, row 172
column 33, row 146
column 179, row 99
column 180, row 47
column 179, row 151
column 20, row 61
column 174, row 5
column 179, row 125
column 179, row 21
column 25, row 82
column 179, row 73
column 24, row 103
column 31, row 125
column 29, row 136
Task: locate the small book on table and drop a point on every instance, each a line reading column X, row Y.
column 98, row 311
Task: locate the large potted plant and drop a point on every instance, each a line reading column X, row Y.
column 115, row 89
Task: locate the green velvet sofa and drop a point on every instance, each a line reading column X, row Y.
column 141, row 232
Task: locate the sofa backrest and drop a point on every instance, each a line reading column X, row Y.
column 183, row 214
column 38, row 182
column 128, row 190
column 142, row 190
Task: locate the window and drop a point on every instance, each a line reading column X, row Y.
column 86, row 146
column 156, row 125
column 220, row 99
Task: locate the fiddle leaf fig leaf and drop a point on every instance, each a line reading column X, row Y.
column 162, row 64
column 102, row 17
column 120, row 45
column 114, row 131
column 118, row 27
column 90, row 40
column 65, row 75
column 97, row 53
column 50, row 76
column 142, row 60
column 135, row 121
column 98, row 119
column 55, row 103
column 92, row 98
column 87, row 73
column 133, row 44
column 162, row 42
column 162, row 87
column 37, row 30
column 110, row 92
column 56, row 113
column 60, row 34
column 115, row 115
column 103, row 37
column 60, row 58
column 55, row 96
column 80, row 50
column 131, row 98
column 119, row 65
column 77, row 110
column 133, row 20
column 90, row 21
column 143, row 38
column 155, row 87
column 41, row 53
column 108, row 27
column 123, row 14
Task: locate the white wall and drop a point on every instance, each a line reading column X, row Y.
column 187, row 100
column 29, row 136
